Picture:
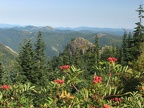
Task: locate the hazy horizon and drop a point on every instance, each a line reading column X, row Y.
column 72, row 14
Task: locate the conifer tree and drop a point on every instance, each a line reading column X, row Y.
column 97, row 56
column 66, row 57
column 77, row 58
column 129, row 47
column 106, row 52
column 89, row 60
column 26, row 63
column 132, row 45
column 40, row 49
column 40, row 67
column 124, row 49
column 138, row 37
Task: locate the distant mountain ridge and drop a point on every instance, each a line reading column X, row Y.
column 54, row 38
column 2, row 25
column 115, row 31
column 34, row 28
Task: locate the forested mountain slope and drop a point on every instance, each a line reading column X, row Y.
column 6, row 53
column 55, row 39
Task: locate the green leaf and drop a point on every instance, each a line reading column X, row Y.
column 109, row 90
column 1, row 95
column 115, row 90
column 139, row 104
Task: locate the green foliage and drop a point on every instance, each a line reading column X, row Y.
column 1, row 72
column 132, row 45
column 85, row 79
column 17, row 96
column 40, row 65
column 55, row 39
column 26, row 63
column 140, row 63
column 78, row 92
column 97, row 51
column 135, row 100
column 6, row 54
column 32, row 62
column 109, row 51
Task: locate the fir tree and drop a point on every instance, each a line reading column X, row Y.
column 129, row 43
column 26, row 63
column 89, row 60
column 40, row 49
column 97, row 56
column 124, row 49
column 131, row 48
column 107, row 51
column 40, row 67
column 66, row 57
column 138, row 37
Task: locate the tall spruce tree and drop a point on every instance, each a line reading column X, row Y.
column 138, row 37
column 132, row 45
column 66, row 56
column 97, row 56
column 40, row 67
column 26, row 63
column 32, row 62
column 124, row 49
column 40, row 49
column 129, row 47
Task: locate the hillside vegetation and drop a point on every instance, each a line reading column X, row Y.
column 86, row 74
column 55, row 39
column 7, row 54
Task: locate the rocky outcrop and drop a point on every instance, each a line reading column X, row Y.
column 79, row 44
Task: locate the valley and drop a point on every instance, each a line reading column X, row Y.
column 57, row 38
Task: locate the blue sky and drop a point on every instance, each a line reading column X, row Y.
column 70, row 13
